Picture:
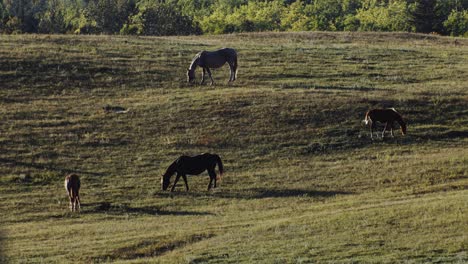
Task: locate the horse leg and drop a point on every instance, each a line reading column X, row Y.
column 372, row 131
column 212, row 174
column 391, row 130
column 78, row 202
column 203, row 76
column 383, row 132
column 209, row 184
column 185, row 180
column 75, row 204
column 175, row 182
column 209, row 74
column 231, row 72
column 71, row 202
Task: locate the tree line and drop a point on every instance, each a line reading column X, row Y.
column 186, row 17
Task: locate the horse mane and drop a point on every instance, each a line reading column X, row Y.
column 400, row 120
column 194, row 63
column 399, row 117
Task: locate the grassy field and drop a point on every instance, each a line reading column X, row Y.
column 303, row 181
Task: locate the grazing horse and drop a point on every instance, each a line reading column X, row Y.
column 72, row 185
column 193, row 166
column 213, row 59
column 387, row 116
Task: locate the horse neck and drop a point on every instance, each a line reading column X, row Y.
column 194, row 63
column 171, row 170
column 367, row 117
column 400, row 121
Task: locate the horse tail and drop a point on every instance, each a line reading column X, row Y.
column 66, row 183
column 73, row 193
column 220, row 166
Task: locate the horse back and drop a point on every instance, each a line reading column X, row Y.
column 196, row 164
column 228, row 52
column 216, row 59
column 383, row 115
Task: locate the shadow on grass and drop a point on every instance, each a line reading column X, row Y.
column 15, row 163
column 3, row 258
column 446, row 135
column 354, row 88
column 282, row 193
column 150, row 248
column 107, row 207
column 257, row 193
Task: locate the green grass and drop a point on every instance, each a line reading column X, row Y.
column 303, row 182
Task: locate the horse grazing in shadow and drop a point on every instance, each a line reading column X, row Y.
column 387, row 116
column 72, row 185
column 213, row 59
column 192, row 166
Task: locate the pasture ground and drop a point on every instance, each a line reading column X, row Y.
column 303, row 181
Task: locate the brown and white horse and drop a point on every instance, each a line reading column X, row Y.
column 72, row 185
column 387, row 116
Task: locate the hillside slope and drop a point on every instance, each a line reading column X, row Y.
column 303, row 180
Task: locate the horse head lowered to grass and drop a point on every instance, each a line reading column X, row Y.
column 387, row 116
column 186, row 165
column 213, row 59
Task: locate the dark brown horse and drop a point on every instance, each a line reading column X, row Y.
column 213, row 59
column 186, row 165
column 72, row 185
column 387, row 116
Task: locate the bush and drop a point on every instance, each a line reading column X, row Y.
column 396, row 16
column 53, row 18
column 457, row 23
column 254, row 16
column 161, row 20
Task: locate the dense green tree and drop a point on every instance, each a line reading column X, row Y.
column 377, row 16
column 295, row 17
column 162, row 19
column 253, row 16
column 424, row 15
column 52, row 20
column 109, row 15
column 327, row 14
column 22, row 17
column 457, row 23
column 194, row 8
column 3, row 17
